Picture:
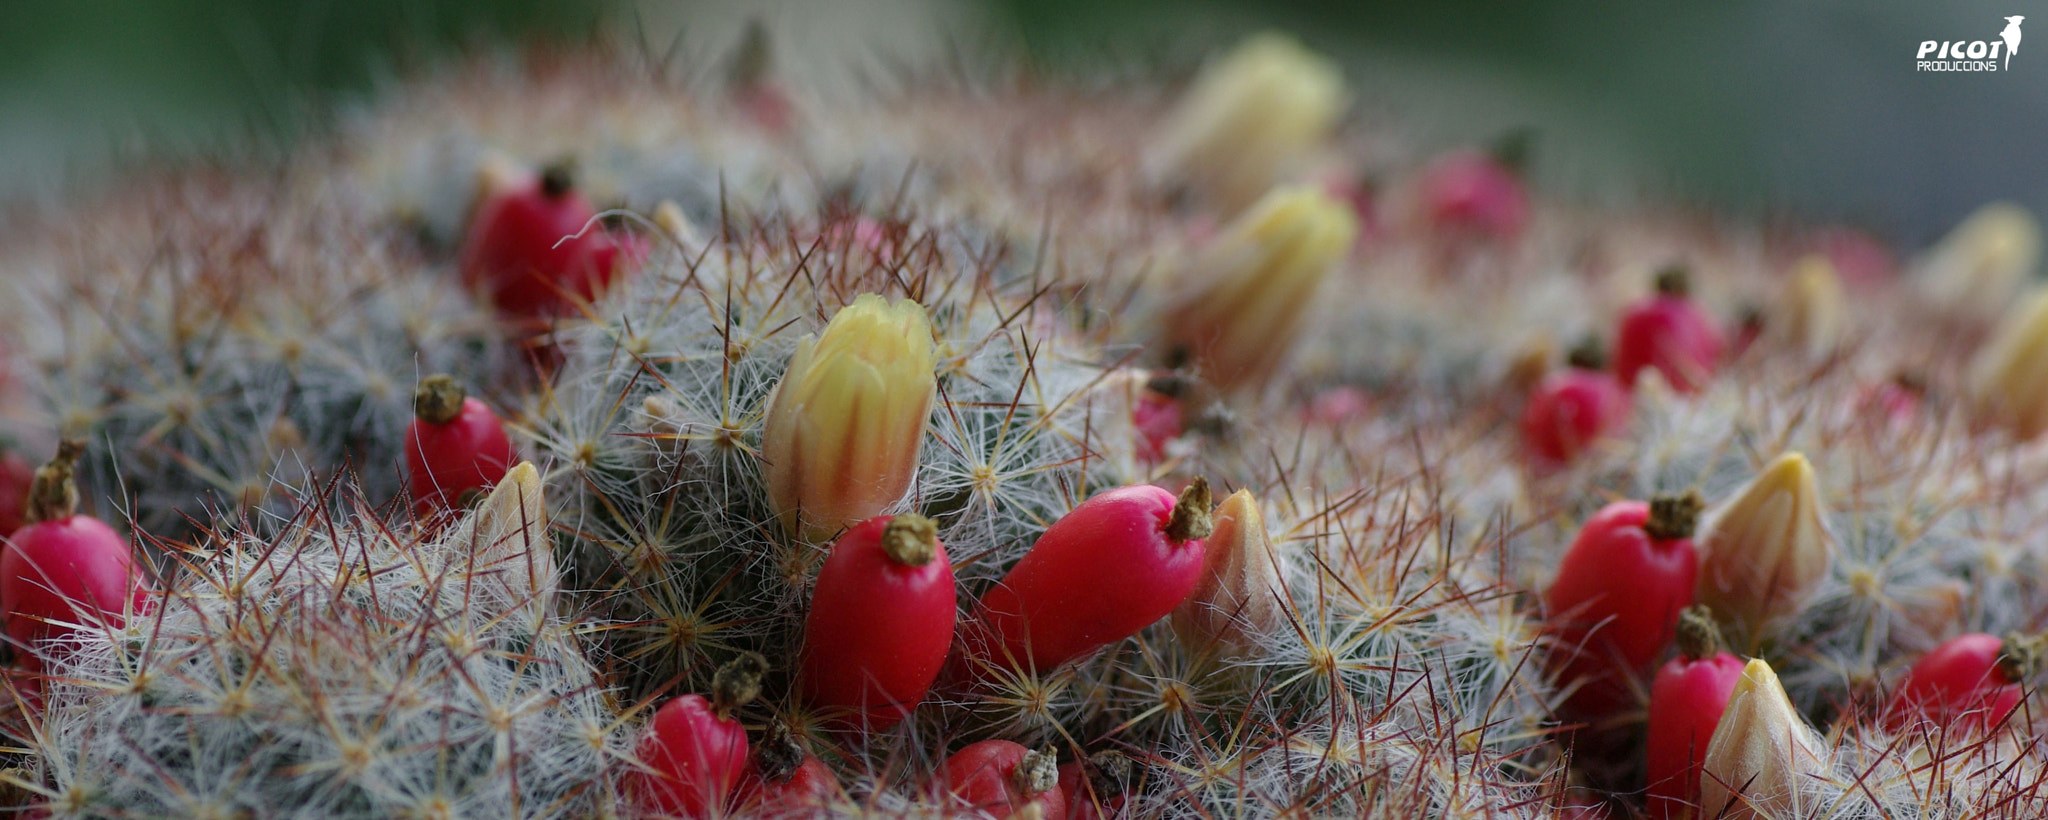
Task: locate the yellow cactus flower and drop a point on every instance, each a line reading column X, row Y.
column 1238, row 597
column 1246, row 118
column 847, row 420
column 1985, row 260
column 1763, row 551
column 1761, row 752
column 1811, row 314
column 2008, row 381
column 507, row 536
column 1255, row 286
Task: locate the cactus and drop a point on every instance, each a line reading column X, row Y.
column 238, row 348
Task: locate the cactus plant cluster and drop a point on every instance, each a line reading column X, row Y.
column 1227, row 487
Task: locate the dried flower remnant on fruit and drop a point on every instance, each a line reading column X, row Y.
column 1985, row 261
column 737, row 683
column 1249, row 116
column 1765, row 549
column 53, row 493
column 1762, row 752
column 1238, row 598
column 1253, row 289
column 2008, row 380
column 847, row 422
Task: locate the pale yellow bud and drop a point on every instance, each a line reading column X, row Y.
column 1761, row 754
column 1762, row 553
column 1811, row 314
column 669, row 217
column 1256, row 285
column 507, row 537
column 1237, row 601
column 845, row 424
column 1981, row 264
column 1248, row 116
column 2009, row 377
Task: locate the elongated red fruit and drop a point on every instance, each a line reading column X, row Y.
column 1471, row 193
column 694, row 751
column 518, row 251
column 1972, row 681
column 1616, row 599
column 1114, row 565
column 1669, row 332
column 455, row 446
column 784, row 780
column 63, row 568
column 1000, row 777
column 1094, row 788
column 880, row 624
column 1686, row 701
column 1573, row 408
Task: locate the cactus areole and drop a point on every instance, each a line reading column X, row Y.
column 63, row 570
column 455, row 448
column 1115, row 564
column 1686, row 701
column 881, row 622
column 1617, row 596
column 694, row 750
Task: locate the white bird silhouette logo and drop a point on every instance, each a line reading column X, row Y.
column 2011, row 35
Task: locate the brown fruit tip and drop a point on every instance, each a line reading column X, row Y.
column 1698, row 637
column 1674, row 280
column 911, row 540
column 1037, row 773
column 1190, row 519
column 2021, row 655
column 1588, row 354
column 438, row 399
column 737, row 683
column 558, row 178
column 778, row 754
column 1673, row 515
column 53, row 493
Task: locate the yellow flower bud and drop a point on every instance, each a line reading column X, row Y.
column 1981, row 264
column 1761, row 754
column 1248, row 116
column 1810, row 317
column 845, row 424
column 1238, row 599
column 1254, row 286
column 1763, row 551
column 2009, row 377
column 507, row 537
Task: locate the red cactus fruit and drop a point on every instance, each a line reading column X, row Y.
column 1095, row 788
column 1668, row 331
column 694, row 750
column 1686, row 701
column 1002, row 778
column 881, row 622
column 16, row 476
column 1971, row 681
column 63, row 569
column 455, row 447
column 1157, row 419
column 1573, row 408
column 519, row 252
column 783, row 780
column 1474, row 194
column 1114, row 565
column 1617, row 596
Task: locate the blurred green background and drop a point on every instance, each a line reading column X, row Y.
column 1810, row 109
